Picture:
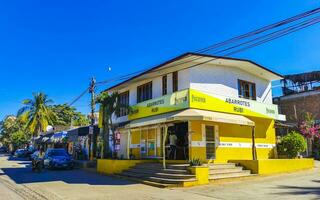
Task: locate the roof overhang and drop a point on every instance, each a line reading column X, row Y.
column 189, row 60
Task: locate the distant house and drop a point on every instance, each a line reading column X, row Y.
column 301, row 94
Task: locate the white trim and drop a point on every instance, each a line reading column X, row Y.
column 198, row 143
column 245, row 145
column 134, row 146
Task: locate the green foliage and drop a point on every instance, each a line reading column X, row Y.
column 67, row 115
column 18, row 139
column 195, row 162
column 13, row 131
column 38, row 112
column 292, row 144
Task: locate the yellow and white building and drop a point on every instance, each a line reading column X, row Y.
column 218, row 107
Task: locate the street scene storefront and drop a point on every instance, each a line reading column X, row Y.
column 189, row 124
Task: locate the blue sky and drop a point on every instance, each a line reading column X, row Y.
column 56, row 46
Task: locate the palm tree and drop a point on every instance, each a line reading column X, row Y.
column 38, row 113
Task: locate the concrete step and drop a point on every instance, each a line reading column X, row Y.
column 147, row 182
column 160, row 166
column 171, row 181
column 222, row 166
column 225, row 170
column 162, row 174
column 160, row 170
column 145, row 177
column 230, row 175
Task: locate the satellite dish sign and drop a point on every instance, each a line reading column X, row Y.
column 49, row 129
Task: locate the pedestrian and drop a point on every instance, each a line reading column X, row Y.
column 173, row 145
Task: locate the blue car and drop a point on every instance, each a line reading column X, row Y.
column 58, row 158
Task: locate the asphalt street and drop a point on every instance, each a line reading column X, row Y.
column 17, row 181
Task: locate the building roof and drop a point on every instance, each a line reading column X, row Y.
column 199, row 59
column 304, row 77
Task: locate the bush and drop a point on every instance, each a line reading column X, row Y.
column 292, row 144
column 195, row 162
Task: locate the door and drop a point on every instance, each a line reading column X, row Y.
column 123, row 145
column 151, row 143
column 143, row 143
column 210, row 142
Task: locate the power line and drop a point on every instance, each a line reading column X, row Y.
column 270, row 34
column 263, row 29
column 81, row 95
column 283, row 32
column 269, row 37
column 224, row 43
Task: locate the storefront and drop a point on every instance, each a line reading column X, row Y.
column 78, row 142
column 210, row 127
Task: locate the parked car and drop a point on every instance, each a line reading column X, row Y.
column 3, row 149
column 21, row 153
column 58, row 158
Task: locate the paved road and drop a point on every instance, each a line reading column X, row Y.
column 79, row 184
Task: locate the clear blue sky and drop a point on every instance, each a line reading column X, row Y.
column 56, row 46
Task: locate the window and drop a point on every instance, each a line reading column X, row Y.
column 247, row 90
column 124, row 103
column 210, row 142
column 174, row 81
column 164, row 85
column 144, row 92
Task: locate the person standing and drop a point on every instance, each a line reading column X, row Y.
column 173, row 145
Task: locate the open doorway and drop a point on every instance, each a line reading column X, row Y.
column 177, row 144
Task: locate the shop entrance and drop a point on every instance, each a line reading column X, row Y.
column 177, row 144
column 148, row 143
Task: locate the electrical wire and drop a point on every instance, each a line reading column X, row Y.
column 255, row 32
column 269, row 37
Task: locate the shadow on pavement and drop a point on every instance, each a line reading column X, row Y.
column 76, row 176
column 24, row 174
column 300, row 190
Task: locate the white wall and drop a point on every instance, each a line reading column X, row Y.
column 220, row 80
column 223, row 80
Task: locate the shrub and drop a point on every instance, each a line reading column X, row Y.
column 195, row 162
column 292, row 144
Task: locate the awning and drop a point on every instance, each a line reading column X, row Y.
column 147, row 121
column 192, row 114
column 195, row 114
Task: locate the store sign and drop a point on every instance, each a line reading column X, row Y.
column 219, row 103
column 167, row 103
column 204, row 101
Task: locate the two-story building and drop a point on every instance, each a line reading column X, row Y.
column 211, row 108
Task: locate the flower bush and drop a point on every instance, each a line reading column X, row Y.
column 308, row 128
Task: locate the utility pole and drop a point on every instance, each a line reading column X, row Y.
column 93, row 105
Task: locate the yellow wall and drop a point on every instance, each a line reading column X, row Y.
column 264, row 131
column 135, row 139
column 106, row 166
column 273, row 166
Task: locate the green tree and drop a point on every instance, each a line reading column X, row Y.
column 18, row 139
column 292, row 144
column 110, row 105
column 67, row 115
column 13, row 131
column 38, row 113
